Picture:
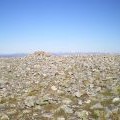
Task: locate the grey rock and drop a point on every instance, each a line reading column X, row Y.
column 82, row 114
column 115, row 100
column 67, row 101
column 97, row 106
column 67, row 109
column 78, row 94
column 30, row 101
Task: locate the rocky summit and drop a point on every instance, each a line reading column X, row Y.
column 42, row 86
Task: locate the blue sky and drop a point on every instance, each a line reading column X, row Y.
column 59, row 26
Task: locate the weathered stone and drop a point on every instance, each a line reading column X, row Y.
column 12, row 112
column 26, row 111
column 30, row 101
column 82, row 114
column 67, row 101
column 4, row 117
column 53, row 88
column 67, row 109
column 115, row 100
column 97, row 106
column 47, row 115
column 88, row 101
column 60, row 118
column 77, row 94
column 80, row 102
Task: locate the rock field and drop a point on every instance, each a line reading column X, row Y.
column 42, row 86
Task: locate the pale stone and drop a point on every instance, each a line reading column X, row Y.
column 116, row 100
column 80, row 102
column 36, row 66
column 53, row 88
column 67, row 101
column 67, row 109
column 88, row 101
column 4, row 117
column 60, row 118
column 82, row 114
column 91, row 85
column 11, row 112
column 97, row 106
column 78, row 94
column 30, row 101
column 26, row 111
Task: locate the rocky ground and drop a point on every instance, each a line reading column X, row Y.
column 41, row 86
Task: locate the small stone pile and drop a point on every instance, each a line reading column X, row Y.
column 42, row 86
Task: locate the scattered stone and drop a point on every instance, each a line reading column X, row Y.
column 53, row 88
column 44, row 86
column 88, row 101
column 37, row 107
column 82, row 114
column 4, row 117
column 12, row 112
column 67, row 101
column 60, row 118
column 47, row 115
column 98, row 89
column 26, row 111
column 91, row 85
column 97, row 106
column 67, row 109
column 35, row 114
column 78, row 94
column 30, row 101
column 115, row 100
column 80, row 102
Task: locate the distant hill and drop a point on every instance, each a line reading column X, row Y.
column 57, row 54
column 12, row 55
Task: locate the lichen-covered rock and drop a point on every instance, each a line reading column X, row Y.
column 30, row 101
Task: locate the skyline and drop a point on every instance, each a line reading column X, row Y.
column 59, row 26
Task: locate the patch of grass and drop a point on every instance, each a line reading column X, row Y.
column 14, row 116
column 118, row 90
column 12, row 100
column 106, row 102
column 49, row 107
column 33, row 92
column 107, row 93
column 60, row 112
column 87, row 106
column 71, row 97
column 96, row 114
column 115, row 116
column 3, row 100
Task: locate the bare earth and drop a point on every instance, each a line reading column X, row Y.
column 41, row 86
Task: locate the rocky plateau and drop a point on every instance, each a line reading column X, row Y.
column 42, row 86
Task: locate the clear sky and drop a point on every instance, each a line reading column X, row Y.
column 59, row 26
